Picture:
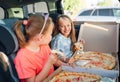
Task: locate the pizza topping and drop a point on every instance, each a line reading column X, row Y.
column 75, row 77
column 81, row 62
column 96, row 59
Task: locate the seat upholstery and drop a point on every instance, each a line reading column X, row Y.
column 6, row 73
column 8, row 49
column 8, row 40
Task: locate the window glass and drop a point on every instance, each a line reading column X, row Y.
column 37, row 7
column 30, row 8
column 105, row 12
column 94, row 12
column 41, row 7
column 86, row 13
column 2, row 13
column 116, row 12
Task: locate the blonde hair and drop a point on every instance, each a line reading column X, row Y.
column 32, row 28
column 72, row 33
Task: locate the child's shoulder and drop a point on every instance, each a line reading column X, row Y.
column 57, row 37
column 44, row 46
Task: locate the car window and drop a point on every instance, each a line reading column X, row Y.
column 41, row 7
column 2, row 13
column 105, row 12
column 94, row 12
column 116, row 12
column 36, row 7
column 86, row 13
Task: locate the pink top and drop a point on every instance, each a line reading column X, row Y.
column 29, row 64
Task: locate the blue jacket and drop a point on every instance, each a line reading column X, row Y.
column 63, row 44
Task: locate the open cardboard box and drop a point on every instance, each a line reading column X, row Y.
column 113, row 74
column 101, row 37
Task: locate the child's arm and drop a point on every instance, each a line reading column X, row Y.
column 44, row 73
column 59, row 63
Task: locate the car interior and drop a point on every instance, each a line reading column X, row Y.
column 12, row 11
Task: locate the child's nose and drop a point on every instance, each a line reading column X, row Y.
column 66, row 28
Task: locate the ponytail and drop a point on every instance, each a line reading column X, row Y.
column 19, row 33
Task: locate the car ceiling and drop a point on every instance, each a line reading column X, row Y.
column 16, row 3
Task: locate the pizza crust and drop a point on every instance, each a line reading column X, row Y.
column 66, row 76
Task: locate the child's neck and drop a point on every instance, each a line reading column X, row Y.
column 34, row 48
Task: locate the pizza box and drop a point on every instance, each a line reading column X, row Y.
column 113, row 74
column 101, row 37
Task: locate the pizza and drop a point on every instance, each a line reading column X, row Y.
column 66, row 76
column 95, row 59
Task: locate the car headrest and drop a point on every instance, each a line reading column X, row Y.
column 8, row 40
column 54, row 16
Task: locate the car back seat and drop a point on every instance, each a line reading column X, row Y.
column 8, row 47
column 54, row 16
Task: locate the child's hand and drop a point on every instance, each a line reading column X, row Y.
column 57, row 52
column 52, row 58
column 78, row 45
column 63, row 59
column 71, row 60
column 82, row 41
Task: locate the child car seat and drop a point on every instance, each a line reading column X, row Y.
column 8, row 48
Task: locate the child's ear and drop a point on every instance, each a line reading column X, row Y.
column 39, row 37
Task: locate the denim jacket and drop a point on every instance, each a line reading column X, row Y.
column 63, row 44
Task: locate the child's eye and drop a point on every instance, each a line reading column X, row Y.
column 80, row 47
column 61, row 26
column 68, row 25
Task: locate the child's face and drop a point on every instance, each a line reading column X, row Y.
column 64, row 26
column 48, row 36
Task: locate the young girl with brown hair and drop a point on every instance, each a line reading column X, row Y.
column 34, row 61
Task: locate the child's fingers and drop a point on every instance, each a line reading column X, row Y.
column 82, row 41
column 72, row 65
column 71, row 60
column 63, row 58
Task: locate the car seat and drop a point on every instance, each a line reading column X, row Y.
column 54, row 16
column 8, row 48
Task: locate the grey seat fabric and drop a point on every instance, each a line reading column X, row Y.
column 8, row 39
column 6, row 73
column 8, row 49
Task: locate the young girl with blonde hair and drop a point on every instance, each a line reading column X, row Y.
column 64, row 37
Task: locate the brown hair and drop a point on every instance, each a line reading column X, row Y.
column 32, row 28
column 72, row 33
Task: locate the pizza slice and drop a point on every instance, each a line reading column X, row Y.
column 59, row 53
